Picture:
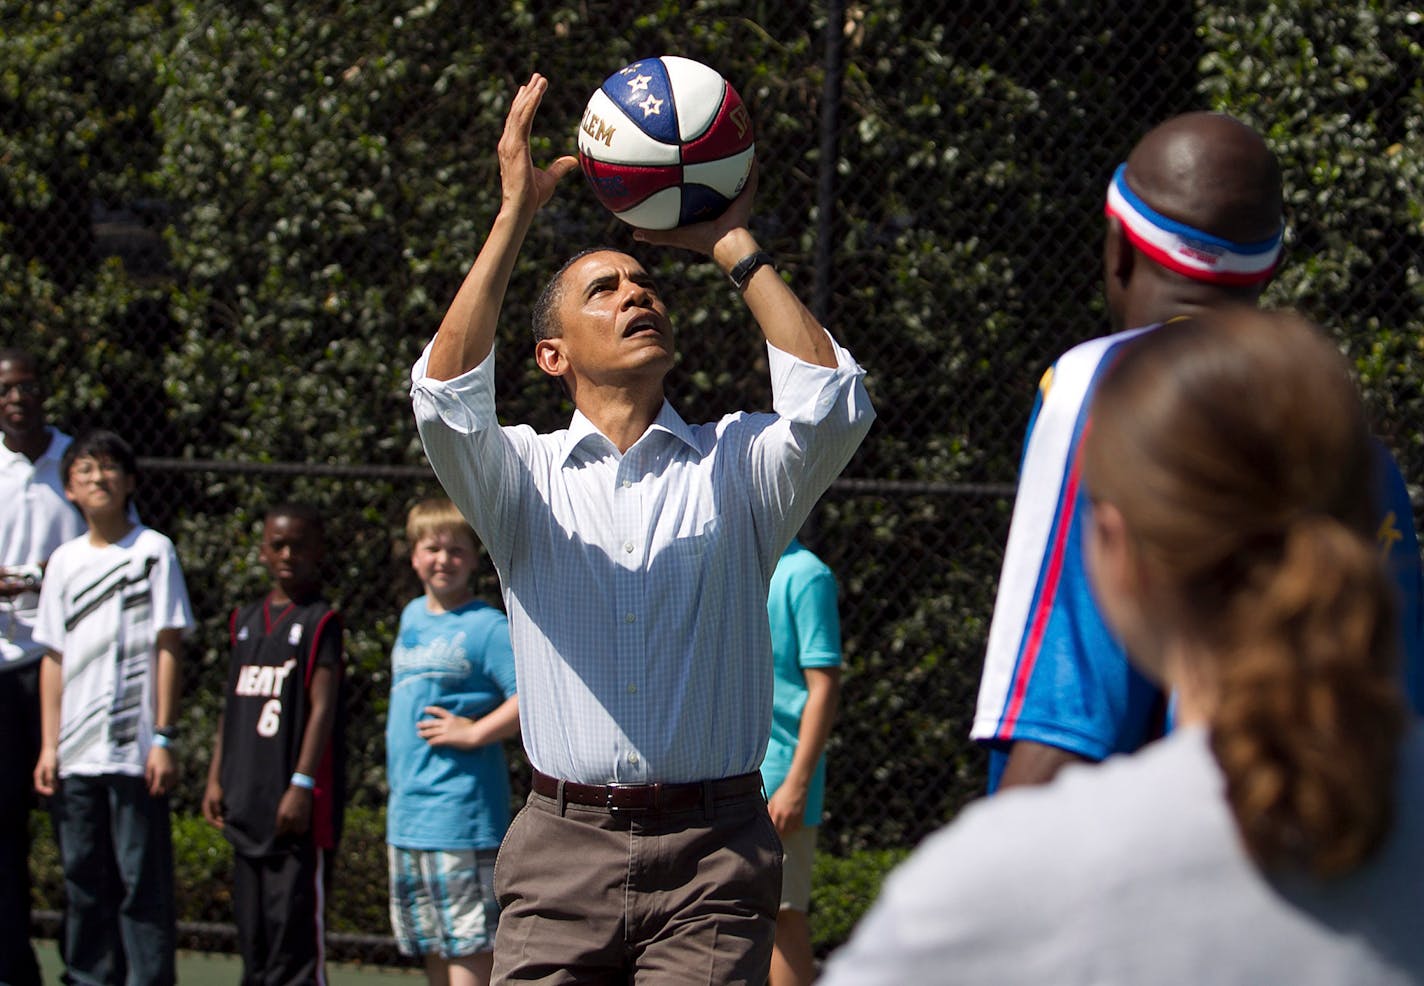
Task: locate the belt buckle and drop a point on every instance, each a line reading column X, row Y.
column 611, row 790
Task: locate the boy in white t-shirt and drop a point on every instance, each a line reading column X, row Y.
column 113, row 610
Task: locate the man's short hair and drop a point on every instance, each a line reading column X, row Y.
column 13, row 354
column 545, row 317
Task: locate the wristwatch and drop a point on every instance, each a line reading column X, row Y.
column 743, row 269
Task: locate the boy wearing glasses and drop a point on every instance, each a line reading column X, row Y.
column 112, row 615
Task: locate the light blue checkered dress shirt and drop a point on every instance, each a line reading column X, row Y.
column 636, row 584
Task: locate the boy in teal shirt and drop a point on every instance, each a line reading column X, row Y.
column 806, row 651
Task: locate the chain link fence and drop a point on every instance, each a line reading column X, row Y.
column 228, row 230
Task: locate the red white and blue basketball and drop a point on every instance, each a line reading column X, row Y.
column 666, row 142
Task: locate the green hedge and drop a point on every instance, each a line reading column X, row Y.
column 313, row 181
column 842, row 888
column 203, row 861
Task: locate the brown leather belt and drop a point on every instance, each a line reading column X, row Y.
column 649, row 797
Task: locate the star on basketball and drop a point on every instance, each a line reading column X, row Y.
column 652, row 106
column 639, row 83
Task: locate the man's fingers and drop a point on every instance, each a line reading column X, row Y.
column 563, row 166
column 526, row 102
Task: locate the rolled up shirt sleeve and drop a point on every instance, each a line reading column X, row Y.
column 474, row 458
column 805, row 393
column 822, row 414
column 463, row 404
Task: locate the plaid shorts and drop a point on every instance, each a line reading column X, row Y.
column 442, row 901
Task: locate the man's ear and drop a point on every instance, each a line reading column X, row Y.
column 549, row 355
column 1118, row 252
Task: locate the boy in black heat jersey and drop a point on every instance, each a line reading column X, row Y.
column 276, row 782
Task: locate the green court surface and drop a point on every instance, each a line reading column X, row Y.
column 216, row 969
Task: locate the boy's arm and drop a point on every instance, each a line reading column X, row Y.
column 788, row 804
column 295, row 808
column 51, row 687
column 212, row 796
column 161, row 770
column 448, row 729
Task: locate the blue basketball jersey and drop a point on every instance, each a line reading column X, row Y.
column 1053, row 673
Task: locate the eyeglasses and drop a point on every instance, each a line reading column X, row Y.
column 21, row 388
column 87, row 467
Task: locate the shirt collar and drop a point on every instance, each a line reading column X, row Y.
column 52, row 451
column 582, row 429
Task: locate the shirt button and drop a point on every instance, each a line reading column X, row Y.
column 628, row 618
column 632, row 758
column 627, row 483
column 628, row 546
column 632, row 689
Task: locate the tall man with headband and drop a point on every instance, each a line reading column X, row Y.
column 1194, row 222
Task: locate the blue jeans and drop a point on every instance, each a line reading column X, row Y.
column 117, row 850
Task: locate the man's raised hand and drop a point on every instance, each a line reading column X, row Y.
column 527, row 188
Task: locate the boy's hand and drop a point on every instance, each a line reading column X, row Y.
column 787, row 809
column 15, row 579
column 46, row 771
column 448, row 729
column 213, row 804
column 160, row 771
column 294, row 812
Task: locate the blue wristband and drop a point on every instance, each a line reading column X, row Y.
column 303, row 781
column 160, row 741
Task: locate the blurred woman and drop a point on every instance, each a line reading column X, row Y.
column 1277, row 834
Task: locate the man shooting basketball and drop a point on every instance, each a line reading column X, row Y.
column 634, row 554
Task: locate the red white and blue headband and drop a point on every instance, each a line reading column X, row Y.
column 1186, row 250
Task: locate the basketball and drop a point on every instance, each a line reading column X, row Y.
column 665, row 142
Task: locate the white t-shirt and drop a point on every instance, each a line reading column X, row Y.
column 35, row 518
column 101, row 609
column 1133, row 872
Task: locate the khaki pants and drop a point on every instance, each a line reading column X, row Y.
column 593, row 896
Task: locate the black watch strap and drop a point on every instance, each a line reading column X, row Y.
column 743, row 269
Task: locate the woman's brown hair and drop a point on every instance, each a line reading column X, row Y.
column 1236, row 448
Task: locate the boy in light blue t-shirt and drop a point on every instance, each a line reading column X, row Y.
column 452, row 703
column 806, row 654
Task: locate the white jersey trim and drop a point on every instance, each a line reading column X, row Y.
column 1036, row 507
